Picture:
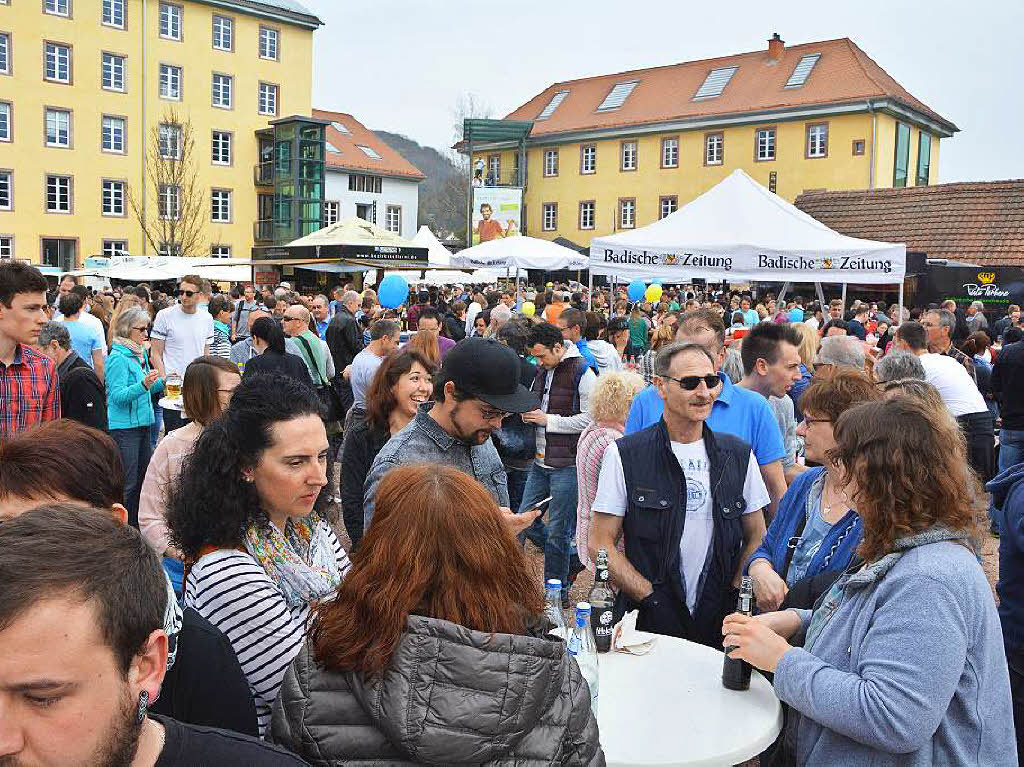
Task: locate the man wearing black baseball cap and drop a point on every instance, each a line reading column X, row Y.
column 476, row 388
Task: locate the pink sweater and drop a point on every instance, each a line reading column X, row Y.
column 163, row 471
column 589, row 453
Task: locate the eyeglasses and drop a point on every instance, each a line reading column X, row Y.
column 186, row 293
column 492, row 415
column 690, row 383
column 811, row 421
column 286, row 318
column 141, row 328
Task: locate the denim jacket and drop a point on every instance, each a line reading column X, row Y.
column 424, row 441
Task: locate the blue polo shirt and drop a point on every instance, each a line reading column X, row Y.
column 736, row 411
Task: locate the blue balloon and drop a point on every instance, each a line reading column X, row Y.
column 393, row 292
column 636, row 289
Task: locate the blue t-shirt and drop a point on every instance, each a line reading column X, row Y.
column 815, row 530
column 750, row 318
column 85, row 339
column 796, row 315
column 740, row 412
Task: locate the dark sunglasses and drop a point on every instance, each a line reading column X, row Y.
column 186, row 293
column 692, row 382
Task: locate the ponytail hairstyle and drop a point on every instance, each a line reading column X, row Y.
column 212, row 504
column 266, row 329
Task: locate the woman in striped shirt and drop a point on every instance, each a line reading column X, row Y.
column 220, row 309
column 248, row 516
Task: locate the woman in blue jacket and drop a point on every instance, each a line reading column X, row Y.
column 816, row 528
column 130, row 380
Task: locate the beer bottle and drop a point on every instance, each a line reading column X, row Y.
column 602, row 604
column 736, row 672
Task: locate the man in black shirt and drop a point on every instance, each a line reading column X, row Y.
column 82, row 396
column 84, row 653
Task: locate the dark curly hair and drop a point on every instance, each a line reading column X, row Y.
column 212, row 504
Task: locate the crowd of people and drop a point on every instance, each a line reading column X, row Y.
column 323, row 551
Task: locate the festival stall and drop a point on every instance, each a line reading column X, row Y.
column 519, row 253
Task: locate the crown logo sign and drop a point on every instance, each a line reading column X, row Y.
column 986, row 277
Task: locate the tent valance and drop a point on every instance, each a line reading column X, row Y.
column 519, row 252
column 351, row 238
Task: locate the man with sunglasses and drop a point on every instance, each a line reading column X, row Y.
column 180, row 334
column 688, row 503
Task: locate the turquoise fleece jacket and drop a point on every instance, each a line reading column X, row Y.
column 129, row 404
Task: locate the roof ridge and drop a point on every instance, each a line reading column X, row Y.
column 857, row 52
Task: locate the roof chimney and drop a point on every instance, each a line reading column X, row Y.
column 776, row 45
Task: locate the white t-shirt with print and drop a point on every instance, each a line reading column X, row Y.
column 185, row 336
column 700, row 524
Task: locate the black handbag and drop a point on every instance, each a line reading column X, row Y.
column 330, row 403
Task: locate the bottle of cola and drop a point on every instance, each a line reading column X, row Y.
column 736, row 672
column 602, row 604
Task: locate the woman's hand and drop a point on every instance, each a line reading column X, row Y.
column 769, row 588
column 150, row 379
column 754, row 641
column 785, row 623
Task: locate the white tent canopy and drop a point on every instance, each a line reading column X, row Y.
column 437, row 254
column 448, row 276
column 154, row 268
column 739, row 231
column 519, row 253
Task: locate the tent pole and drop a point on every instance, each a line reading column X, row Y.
column 782, row 292
column 820, row 293
column 844, row 296
column 590, row 292
column 901, row 303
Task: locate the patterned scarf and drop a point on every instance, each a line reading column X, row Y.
column 300, row 561
column 134, row 348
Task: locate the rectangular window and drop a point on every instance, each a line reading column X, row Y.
column 112, row 72
column 393, row 219
column 57, row 7
column 58, row 128
column 58, row 194
column 370, row 152
column 268, row 43
column 223, row 32
column 549, row 219
column 268, row 99
column 113, row 248
column 550, row 162
column 924, row 158
column 901, row 158
column 169, row 140
column 113, row 198
column 220, row 152
column 670, row 152
column 220, row 251
column 57, row 63
column 169, row 202
column 332, row 212
column 6, row 190
column 220, row 206
column 113, row 13
column 170, row 21
column 667, row 206
column 6, row 247
column 112, row 134
column 628, row 156
column 858, row 146
column 361, row 182
column 588, row 159
column 714, row 148
column 170, row 82
column 221, row 91
column 494, row 168
column 817, row 140
column 627, row 213
column 5, row 121
column 587, row 214
column 764, row 144
column 5, row 53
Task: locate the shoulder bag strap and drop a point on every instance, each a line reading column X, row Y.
column 311, row 359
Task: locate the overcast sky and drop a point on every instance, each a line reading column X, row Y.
column 401, row 65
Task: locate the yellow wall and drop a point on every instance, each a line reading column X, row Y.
column 841, row 169
column 31, row 160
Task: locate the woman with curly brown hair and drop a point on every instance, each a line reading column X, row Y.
column 902, row 660
column 434, row 650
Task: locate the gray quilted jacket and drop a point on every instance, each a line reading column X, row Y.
column 450, row 696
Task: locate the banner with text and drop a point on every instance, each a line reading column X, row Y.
column 497, row 213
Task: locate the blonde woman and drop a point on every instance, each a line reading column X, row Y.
column 128, row 300
column 808, row 349
column 609, row 405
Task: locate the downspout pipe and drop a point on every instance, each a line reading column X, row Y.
column 871, row 160
column 142, row 123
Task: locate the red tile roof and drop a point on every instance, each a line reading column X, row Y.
column 981, row 222
column 351, row 157
column 843, row 74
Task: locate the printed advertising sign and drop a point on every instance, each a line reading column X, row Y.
column 996, row 287
column 497, row 213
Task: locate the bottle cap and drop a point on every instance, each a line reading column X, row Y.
column 553, row 583
column 582, row 607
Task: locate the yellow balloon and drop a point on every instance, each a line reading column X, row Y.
column 653, row 292
column 529, row 309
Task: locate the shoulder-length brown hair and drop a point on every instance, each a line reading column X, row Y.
column 438, row 547
column 199, row 387
column 426, row 344
column 380, row 397
column 910, row 466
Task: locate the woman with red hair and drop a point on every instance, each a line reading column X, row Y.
column 434, row 649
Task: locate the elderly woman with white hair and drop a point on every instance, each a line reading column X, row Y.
column 130, row 382
column 840, row 352
column 899, row 365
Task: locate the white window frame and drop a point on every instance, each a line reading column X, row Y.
column 170, row 82
column 221, row 206
column 54, row 52
column 588, row 159
column 549, row 217
column 670, row 152
column 111, row 248
column 5, row 53
column 109, row 127
column 627, row 204
column 169, row 141
column 219, row 25
column 169, row 202
column 113, row 68
column 57, row 8
column 588, row 212
column 665, row 202
column 393, row 219
column 61, row 121
column 7, row 189
column 764, row 144
column 6, row 121
column 494, row 167
column 221, row 86
column 332, row 212
column 110, row 12
column 220, row 251
column 112, row 195
column 714, row 148
column 171, row 21
column 220, row 144
column 550, row 163
column 628, row 152
column 817, row 140
column 269, row 92
column 6, row 247
column 58, row 181
column 269, row 43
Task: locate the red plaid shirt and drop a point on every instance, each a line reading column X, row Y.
column 28, row 391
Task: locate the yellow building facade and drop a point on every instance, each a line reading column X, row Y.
column 84, row 86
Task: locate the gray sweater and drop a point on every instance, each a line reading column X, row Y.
column 905, row 665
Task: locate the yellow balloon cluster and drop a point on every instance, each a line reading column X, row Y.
column 653, row 292
column 528, row 309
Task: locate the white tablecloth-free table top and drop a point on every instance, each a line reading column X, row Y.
column 171, row 404
column 669, row 708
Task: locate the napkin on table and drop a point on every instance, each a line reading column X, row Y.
column 625, row 637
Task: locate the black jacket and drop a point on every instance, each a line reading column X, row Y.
column 454, row 328
column 1008, row 385
column 344, row 339
column 82, row 396
column 285, row 364
column 362, row 443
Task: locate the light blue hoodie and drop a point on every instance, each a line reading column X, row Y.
column 905, row 665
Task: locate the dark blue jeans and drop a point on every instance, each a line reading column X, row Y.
column 135, row 454
column 516, row 486
column 556, row 535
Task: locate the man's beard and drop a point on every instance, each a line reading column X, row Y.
column 471, row 436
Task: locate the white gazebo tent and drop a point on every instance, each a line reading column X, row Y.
column 739, row 231
column 437, row 254
column 519, row 253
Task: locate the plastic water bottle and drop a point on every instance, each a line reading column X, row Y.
column 553, row 607
column 583, row 648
